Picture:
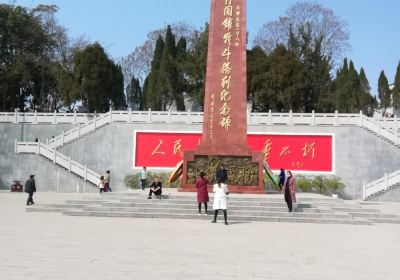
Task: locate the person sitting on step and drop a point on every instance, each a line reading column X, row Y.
column 156, row 188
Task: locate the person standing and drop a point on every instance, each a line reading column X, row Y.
column 156, row 188
column 281, row 179
column 289, row 190
column 30, row 188
column 220, row 200
column 221, row 174
column 202, row 193
column 101, row 184
column 107, row 179
column 143, row 177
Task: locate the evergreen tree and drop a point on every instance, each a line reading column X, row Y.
column 384, row 91
column 195, row 68
column 367, row 101
column 340, row 88
column 352, row 87
column 396, row 89
column 180, row 60
column 277, row 82
column 317, row 66
column 154, row 85
column 261, row 96
column 116, row 87
column 143, row 98
column 100, row 80
column 134, row 94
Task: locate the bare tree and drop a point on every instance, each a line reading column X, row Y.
column 320, row 21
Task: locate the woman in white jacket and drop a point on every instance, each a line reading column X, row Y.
column 220, row 197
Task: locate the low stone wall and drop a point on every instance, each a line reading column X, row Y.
column 360, row 156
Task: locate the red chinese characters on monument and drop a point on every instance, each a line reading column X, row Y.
column 310, row 153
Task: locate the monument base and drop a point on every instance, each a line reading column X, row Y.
column 245, row 169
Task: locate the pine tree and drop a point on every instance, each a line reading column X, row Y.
column 384, row 91
column 134, row 94
column 367, row 101
column 396, row 89
column 180, row 61
column 195, row 68
column 352, row 88
column 153, row 90
column 340, row 88
column 167, row 72
column 143, row 98
column 317, row 68
column 99, row 79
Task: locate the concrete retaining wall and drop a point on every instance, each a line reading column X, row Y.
column 360, row 155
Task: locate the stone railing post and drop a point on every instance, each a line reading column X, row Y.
column 69, row 164
column 16, row 146
column 75, row 115
column 290, row 117
column 35, row 116
column 62, row 138
column 55, row 155
column 313, row 117
column 189, row 116
column 85, row 175
column 270, row 117
column 15, row 116
column 111, row 118
column 336, row 118
column 38, row 147
column 130, row 116
column 55, row 117
column 79, row 130
column 169, row 116
column 149, row 116
column 361, row 119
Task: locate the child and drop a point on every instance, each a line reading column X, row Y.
column 101, row 184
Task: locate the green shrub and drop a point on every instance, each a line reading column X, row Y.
column 268, row 185
column 133, row 181
column 334, row 185
column 303, row 184
column 319, row 184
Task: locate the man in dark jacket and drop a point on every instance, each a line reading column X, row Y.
column 156, row 188
column 30, row 188
column 281, row 178
column 222, row 174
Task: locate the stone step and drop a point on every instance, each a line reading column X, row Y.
column 385, row 220
column 64, row 206
column 230, row 211
column 234, row 218
column 161, row 205
column 44, row 209
column 233, row 197
column 230, row 202
column 355, row 209
column 369, row 215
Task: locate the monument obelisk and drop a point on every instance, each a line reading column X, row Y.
column 224, row 138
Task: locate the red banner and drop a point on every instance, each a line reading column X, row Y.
column 297, row 152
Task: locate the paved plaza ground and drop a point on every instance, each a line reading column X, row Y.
column 44, row 246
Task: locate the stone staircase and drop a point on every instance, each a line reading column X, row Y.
column 269, row 208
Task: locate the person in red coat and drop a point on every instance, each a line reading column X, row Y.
column 202, row 193
column 289, row 190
